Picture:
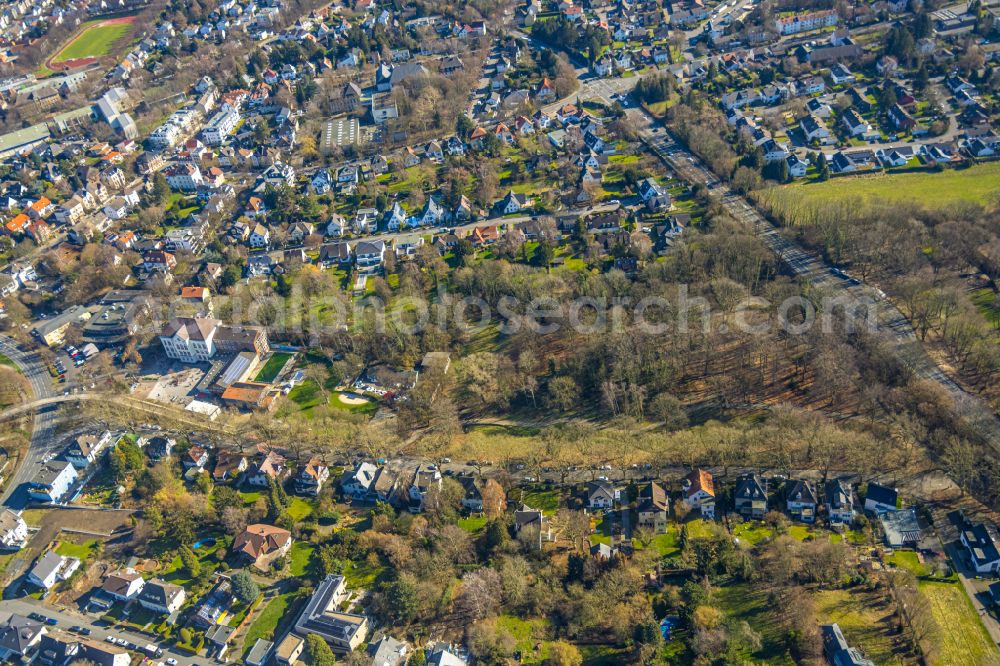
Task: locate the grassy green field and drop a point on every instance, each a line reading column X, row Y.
column 473, row 524
column 744, row 601
column 546, row 501
column 528, row 634
column 298, row 558
column 267, row 622
column 908, row 560
column 80, row 550
column 977, row 184
column 273, row 367
column 866, row 625
column 95, row 41
column 963, row 640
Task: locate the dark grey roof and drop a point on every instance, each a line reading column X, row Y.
column 750, row 486
column 838, row 495
column 881, row 494
column 802, row 491
column 17, row 633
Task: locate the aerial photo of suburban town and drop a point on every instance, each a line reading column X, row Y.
column 498, row 332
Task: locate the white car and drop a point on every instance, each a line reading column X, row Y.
column 171, row 662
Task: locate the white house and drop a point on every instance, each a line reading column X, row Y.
column 514, row 203
column 190, row 340
column 370, row 253
column 13, row 530
column 880, row 498
column 698, row 490
column 123, row 584
column 52, row 568
column 602, row 495
column 796, row 167
column 184, row 177
column 52, row 481
column 85, row 449
column 980, row 539
column 432, row 214
column 260, row 237
column 356, row 483
column 337, row 226
column 162, row 597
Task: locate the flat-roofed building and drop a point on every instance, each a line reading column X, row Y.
column 344, row 632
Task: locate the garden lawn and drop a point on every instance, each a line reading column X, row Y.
column 360, row 575
column 266, row 624
column 752, row 533
column 473, row 524
column 78, row 550
column 864, row 623
column 908, row 560
column 528, row 633
column 962, row 639
column 745, row 601
column 546, row 501
column 298, row 558
column 273, row 367
column 667, row 544
column 977, row 184
column 94, row 41
column 698, row 529
column 299, row 509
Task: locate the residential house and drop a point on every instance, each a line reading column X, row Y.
column 879, row 498
column 532, row 527
column 161, row 597
column 424, row 479
column 472, row 500
column 838, row 652
column 370, row 254
column 322, row 616
column 750, row 496
column 18, row 636
column 260, row 237
column 195, row 457
column 13, row 530
column 513, row 203
column 654, row 195
column 261, row 544
column 980, row 540
column 271, row 465
column 698, row 492
column 334, row 254
column 801, row 501
column 160, row 447
column 52, row 568
column 52, row 481
column 310, row 478
column 84, row 449
column 123, row 584
column 357, row 483
column 652, row 508
column 602, row 495
column 229, row 464
column 839, row 503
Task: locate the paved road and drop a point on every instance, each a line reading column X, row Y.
column 43, row 437
column 68, row 618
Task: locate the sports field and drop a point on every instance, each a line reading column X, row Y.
column 94, row 40
column 977, row 184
